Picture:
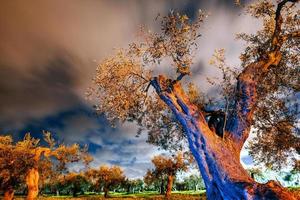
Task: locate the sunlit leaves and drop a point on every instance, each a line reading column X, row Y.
column 106, row 176
column 122, row 82
column 120, row 87
column 165, row 166
column 14, row 162
column 277, row 135
column 176, row 42
column 16, row 159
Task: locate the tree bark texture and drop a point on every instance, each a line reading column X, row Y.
column 169, row 185
column 219, row 158
column 32, row 182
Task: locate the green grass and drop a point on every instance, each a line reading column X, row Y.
column 148, row 195
column 190, row 192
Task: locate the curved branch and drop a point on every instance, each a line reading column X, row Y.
column 41, row 150
column 277, row 39
column 240, row 122
column 184, row 113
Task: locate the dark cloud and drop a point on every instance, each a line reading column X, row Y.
column 30, row 95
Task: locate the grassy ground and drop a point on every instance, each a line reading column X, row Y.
column 182, row 195
column 186, row 195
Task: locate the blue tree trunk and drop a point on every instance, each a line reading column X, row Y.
column 218, row 159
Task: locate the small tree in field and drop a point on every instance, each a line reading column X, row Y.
column 154, row 182
column 106, row 177
column 133, row 186
column 194, row 182
column 263, row 95
column 167, row 167
column 28, row 158
column 74, row 182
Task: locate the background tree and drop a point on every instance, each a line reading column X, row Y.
column 29, row 156
column 61, row 153
column 270, row 51
column 168, row 167
column 15, row 161
column 75, row 183
column 48, row 173
column 194, row 182
column 154, row 182
column 106, row 177
column 133, row 185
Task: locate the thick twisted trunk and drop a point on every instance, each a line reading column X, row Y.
column 9, row 193
column 32, row 182
column 169, row 185
column 219, row 159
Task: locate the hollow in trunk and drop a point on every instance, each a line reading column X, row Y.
column 218, row 158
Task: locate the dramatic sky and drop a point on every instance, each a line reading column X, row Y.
column 49, row 51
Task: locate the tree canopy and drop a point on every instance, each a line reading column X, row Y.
column 106, row 177
column 131, row 87
column 122, row 81
column 166, row 168
column 22, row 161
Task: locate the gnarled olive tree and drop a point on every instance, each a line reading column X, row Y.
column 15, row 161
column 129, row 87
column 22, row 162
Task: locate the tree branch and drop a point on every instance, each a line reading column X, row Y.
column 39, row 151
column 295, row 34
column 186, row 114
column 240, row 122
column 277, row 39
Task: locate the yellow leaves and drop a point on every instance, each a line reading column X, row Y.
column 218, row 58
column 193, row 92
column 107, row 175
column 28, row 153
column 164, row 164
column 5, row 140
column 119, row 85
column 49, row 139
column 264, row 8
column 184, row 18
column 28, row 142
column 237, row 2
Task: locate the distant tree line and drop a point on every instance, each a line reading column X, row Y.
column 29, row 168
